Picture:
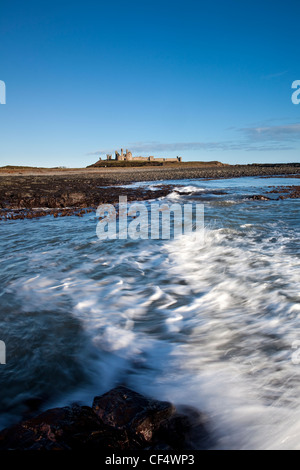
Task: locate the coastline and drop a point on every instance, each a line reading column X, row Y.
column 31, row 193
column 81, row 417
column 189, row 170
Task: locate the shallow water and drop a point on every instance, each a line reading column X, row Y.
column 213, row 326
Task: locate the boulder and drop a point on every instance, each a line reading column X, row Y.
column 259, row 197
column 123, row 408
column 121, row 419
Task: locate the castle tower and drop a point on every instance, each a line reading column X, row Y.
column 128, row 155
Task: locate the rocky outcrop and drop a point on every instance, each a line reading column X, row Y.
column 287, row 192
column 34, row 200
column 118, row 420
column 259, row 197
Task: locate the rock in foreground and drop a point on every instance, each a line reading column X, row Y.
column 118, row 420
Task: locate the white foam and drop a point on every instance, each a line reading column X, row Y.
column 209, row 326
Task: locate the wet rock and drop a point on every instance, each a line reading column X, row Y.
column 83, row 194
column 65, row 428
column 118, row 420
column 290, row 192
column 186, row 429
column 259, row 197
column 122, row 408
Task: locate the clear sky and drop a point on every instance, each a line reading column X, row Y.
column 206, row 80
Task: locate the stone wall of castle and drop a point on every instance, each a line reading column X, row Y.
column 127, row 156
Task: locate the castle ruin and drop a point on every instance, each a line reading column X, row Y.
column 127, row 156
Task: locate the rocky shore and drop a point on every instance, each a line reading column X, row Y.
column 121, row 419
column 27, row 198
column 25, row 194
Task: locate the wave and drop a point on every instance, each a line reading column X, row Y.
column 209, row 326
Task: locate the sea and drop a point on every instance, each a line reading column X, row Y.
column 213, row 325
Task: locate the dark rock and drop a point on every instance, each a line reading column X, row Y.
column 122, row 408
column 259, row 197
column 290, row 192
column 75, row 427
column 119, row 420
column 186, row 429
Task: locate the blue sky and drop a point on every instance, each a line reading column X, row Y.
column 204, row 80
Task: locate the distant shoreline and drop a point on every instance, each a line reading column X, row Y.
column 174, row 171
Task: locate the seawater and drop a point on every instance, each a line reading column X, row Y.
column 213, row 326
